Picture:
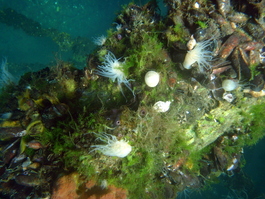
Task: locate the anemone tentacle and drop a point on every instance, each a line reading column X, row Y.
column 114, row 69
column 113, row 147
column 199, row 54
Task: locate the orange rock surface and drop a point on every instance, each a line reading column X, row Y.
column 67, row 187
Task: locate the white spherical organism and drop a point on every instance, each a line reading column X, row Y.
column 152, row 78
column 161, row 106
column 230, row 84
column 191, row 43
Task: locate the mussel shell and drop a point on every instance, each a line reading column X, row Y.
column 11, row 132
column 35, row 127
column 255, row 30
column 31, row 180
column 257, row 84
column 221, row 158
column 10, row 151
column 50, row 114
column 240, row 66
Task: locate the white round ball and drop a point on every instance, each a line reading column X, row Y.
column 230, row 84
column 152, row 78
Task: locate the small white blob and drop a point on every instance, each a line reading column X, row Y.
column 191, row 43
column 228, row 97
column 234, row 160
column 230, row 84
column 231, row 167
column 234, row 138
column 104, row 184
column 152, row 78
column 196, row 5
column 161, row 106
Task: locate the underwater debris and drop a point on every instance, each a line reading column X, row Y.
column 161, row 106
column 114, row 147
column 228, row 97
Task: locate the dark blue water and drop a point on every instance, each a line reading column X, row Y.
column 246, row 183
column 79, row 18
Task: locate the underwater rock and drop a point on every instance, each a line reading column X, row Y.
column 110, row 192
column 66, row 187
column 30, row 180
column 178, row 135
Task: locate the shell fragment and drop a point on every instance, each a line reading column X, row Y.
column 161, row 106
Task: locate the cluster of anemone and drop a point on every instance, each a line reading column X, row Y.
column 200, row 54
column 113, row 147
column 114, row 69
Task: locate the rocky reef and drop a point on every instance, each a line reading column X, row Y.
column 180, row 133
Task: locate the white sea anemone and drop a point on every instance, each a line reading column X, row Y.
column 114, row 147
column 114, row 69
column 100, row 41
column 199, row 54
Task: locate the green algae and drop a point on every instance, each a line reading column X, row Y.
column 165, row 146
column 202, row 24
column 157, row 138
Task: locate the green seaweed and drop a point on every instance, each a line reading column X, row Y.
column 165, row 145
column 202, row 24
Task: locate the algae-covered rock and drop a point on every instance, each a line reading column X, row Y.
column 153, row 140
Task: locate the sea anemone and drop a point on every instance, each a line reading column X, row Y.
column 114, row 147
column 115, row 70
column 200, row 54
column 100, row 41
column 6, row 77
